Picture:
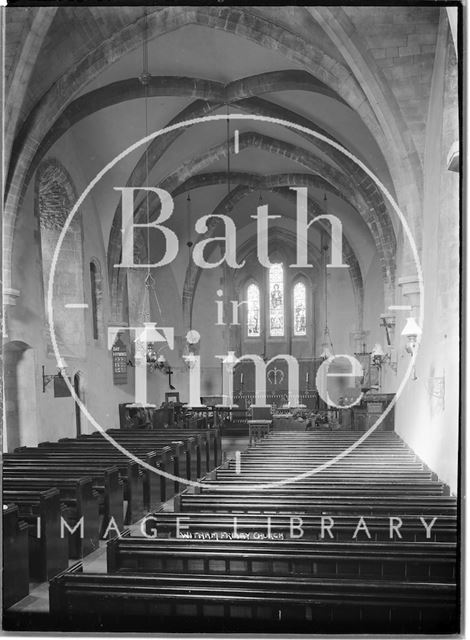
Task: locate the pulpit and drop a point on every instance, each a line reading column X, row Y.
column 261, row 412
column 371, row 407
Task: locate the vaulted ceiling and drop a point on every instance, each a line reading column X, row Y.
column 357, row 75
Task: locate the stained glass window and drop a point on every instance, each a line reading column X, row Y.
column 252, row 295
column 276, row 300
column 300, row 310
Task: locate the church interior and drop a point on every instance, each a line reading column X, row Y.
column 231, row 321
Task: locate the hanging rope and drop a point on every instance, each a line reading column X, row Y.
column 325, row 258
column 228, row 151
column 145, row 81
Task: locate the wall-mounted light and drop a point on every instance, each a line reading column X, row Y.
column 155, row 362
column 412, row 331
column 378, row 355
column 326, row 353
column 49, row 377
column 161, row 362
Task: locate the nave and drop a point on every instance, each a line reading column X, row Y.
column 367, row 545
column 231, row 248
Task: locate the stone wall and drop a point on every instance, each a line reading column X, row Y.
column 427, row 415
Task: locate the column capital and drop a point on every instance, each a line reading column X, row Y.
column 410, row 290
column 409, row 284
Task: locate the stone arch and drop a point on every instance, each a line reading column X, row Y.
column 327, row 176
column 373, row 206
column 402, row 157
column 230, row 19
column 200, row 88
column 248, row 183
column 18, row 85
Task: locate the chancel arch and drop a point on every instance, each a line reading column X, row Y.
column 248, row 184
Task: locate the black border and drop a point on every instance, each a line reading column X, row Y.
column 462, row 69
column 231, row 3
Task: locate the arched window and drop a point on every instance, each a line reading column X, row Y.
column 55, row 197
column 276, row 300
column 252, row 295
column 300, row 309
column 94, row 299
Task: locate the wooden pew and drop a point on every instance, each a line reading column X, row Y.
column 130, row 472
column 333, row 504
column 106, row 483
column 255, row 526
column 160, row 454
column 179, row 457
column 193, row 446
column 80, row 501
column 212, row 435
column 347, row 584
column 199, row 451
column 187, row 450
column 15, row 556
column 150, row 482
column 210, row 442
column 88, row 602
column 392, row 560
column 313, row 486
column 48, row 551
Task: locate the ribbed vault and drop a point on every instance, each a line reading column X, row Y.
column 322, row 73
